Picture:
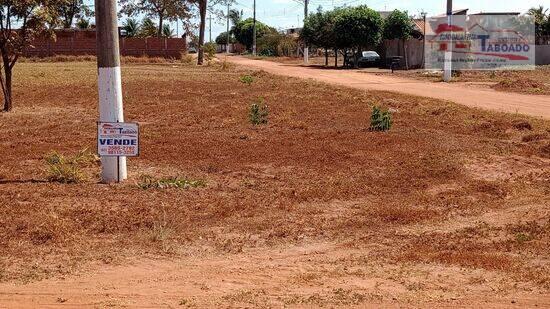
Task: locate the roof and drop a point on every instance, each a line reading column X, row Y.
column 420, row 25
column 384, row 14
column 455, row 12
column 498, row 13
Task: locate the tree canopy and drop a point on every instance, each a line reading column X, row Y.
column 398, row 25
column 244, row 29
column 357, row 27
column 21, row 22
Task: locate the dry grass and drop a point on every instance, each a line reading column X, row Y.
column 314, row 173
column 529, row 82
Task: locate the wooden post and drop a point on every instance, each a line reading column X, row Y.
column 113, row 169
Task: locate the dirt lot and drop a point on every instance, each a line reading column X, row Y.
column 451, row 207
column 528, row 82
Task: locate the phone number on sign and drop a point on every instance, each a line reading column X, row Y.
column 120, row 150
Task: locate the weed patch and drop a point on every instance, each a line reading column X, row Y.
column 149, row 182
column 65, row 169
column 247, row 79
column 258, row 113
column 380, row 120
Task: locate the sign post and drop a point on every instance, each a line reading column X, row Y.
column 448, row 65
column 113, row 169
column 116, row 140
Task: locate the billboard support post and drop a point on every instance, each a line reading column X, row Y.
column 448, row 66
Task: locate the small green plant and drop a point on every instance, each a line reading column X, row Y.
column 258, row 113
column 380, row 120
column 210, row 51
column 69, row 169
column 149, row 182
column 247, row 79
column 523, row 237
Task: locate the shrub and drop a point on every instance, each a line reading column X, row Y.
column 380, row 120
column 149, row 182
column 69, row 169
column 247, row 79
column 187, row 59
column 210, row 51
column 226, row 66
column 258, row 113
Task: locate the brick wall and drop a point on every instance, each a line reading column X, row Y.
column 83, row 42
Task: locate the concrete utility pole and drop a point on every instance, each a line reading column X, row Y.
column 448, row 66
column 306, row 49
column 254, row 32
column 113, row 169
column 210, row 27
column 228, row 36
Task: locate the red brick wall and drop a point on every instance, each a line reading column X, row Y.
column 83, row 42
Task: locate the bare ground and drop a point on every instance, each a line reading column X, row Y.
column 526, row 92
column 449, row 208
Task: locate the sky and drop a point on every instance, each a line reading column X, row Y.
column 283, row 14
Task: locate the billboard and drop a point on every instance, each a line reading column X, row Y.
column 481, row 42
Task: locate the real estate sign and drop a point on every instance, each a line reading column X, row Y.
column 481, row 42
column 118, row 139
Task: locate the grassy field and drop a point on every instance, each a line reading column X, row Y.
column 450, row 205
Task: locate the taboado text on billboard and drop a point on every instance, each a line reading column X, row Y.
column 118, row 139
column 481, row 42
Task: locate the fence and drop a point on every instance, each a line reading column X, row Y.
column 83, row 42
column 415, row 51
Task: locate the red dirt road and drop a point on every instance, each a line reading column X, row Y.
column 533, row 105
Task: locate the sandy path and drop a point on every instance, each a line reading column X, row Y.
column 300, row 276
column 538, row 106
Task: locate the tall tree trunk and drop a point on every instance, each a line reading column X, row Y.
column 161, row 22
column 336, row 57
column 326, row 57
column 202, row 27
column 6, row 85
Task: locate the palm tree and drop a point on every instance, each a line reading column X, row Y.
column 131, row 27
column 83, row 23
column 148, row 28
column 167, row 32
column 541, row 20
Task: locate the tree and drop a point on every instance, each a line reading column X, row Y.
column 161, row 9
column 132, row 28
column 167, row 32
column 542, row 22
column 399, row 26
column 244, row 31
column 221, row 39
column 318, row 30
column 33, row 19
column 203, row 5
column 83, row 23
column 70, row 10
column 356, row 28
column 148, row 28
column 235, row 16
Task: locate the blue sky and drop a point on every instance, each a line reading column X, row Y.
column 289, row 13
column 283, row 14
